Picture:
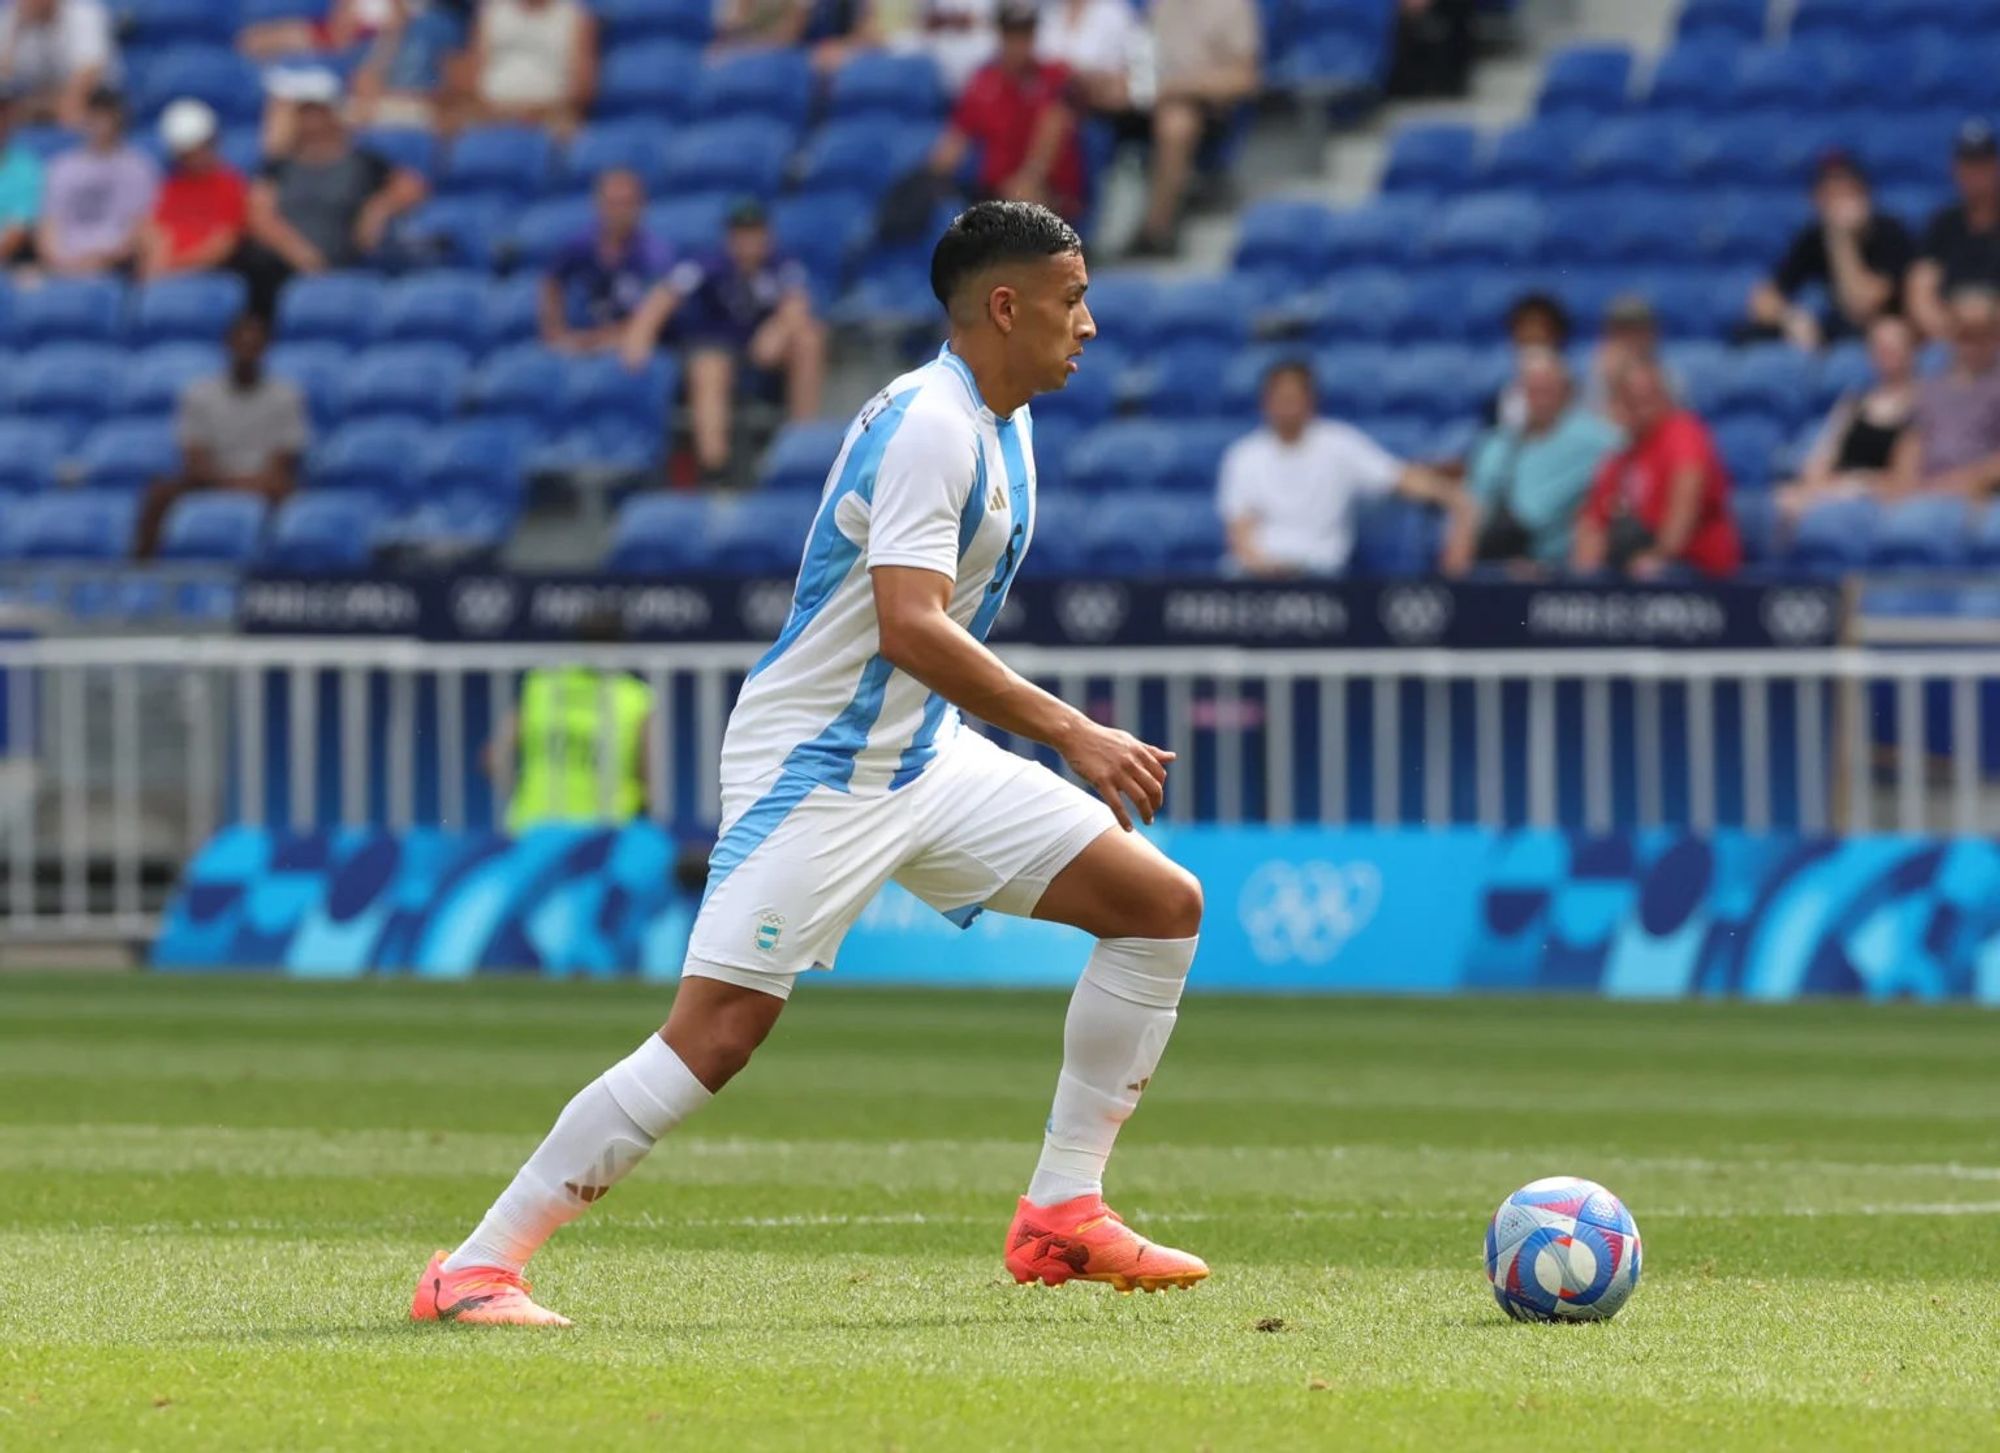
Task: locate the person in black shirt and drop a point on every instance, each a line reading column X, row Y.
column 1856, row 448
column 1856, row 254
column 1961, row 247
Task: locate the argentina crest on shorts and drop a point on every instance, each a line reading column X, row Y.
column 770, row 928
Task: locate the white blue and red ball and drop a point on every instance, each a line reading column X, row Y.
column 1562, row 1249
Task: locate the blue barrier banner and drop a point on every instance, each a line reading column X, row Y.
column 1650, row 914
column 1352, row 613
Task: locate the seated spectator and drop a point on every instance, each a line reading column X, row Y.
column 1289, row 492
column 748, row 304
column 1961, row 247
column 1206, row 66
column 413, row 65
column 832, row 30
column 1537, row 322
column 244, row 430
column 203, row 206
column 1661, row 502
column 1529, row 479
column 1851, row 251
column 1631, row 333
column 1955, row 444
column 54, row 55
column 1016, row 113
column 958, row 35
column 1856, row 448
column 328, row 203
column 1098, row 42
column 1435, row 46
column 20, row 191
column 598, row 281
column 98, row 198
column 534, row 62
column 345, row 25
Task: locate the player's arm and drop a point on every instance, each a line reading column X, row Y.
column 919, row 637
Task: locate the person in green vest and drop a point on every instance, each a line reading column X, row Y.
column 555, row 739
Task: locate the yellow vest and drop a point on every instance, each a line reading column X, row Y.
column 561, row 776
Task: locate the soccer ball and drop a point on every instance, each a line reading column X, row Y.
column 1562, row 1250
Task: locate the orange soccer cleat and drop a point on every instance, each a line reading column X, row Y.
column 480, row 1296
column 1083, row 1240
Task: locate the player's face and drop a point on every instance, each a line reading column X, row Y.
column 1052, row 322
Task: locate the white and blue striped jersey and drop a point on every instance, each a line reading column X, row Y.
column 930, row 477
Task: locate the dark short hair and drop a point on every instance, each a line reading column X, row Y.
column 104, row 98
column 1548, row 305
column 1298, row 367
column 989, row 233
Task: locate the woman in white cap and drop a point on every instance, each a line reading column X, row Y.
column 203, row 206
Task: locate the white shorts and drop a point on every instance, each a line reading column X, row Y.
column 797, row 861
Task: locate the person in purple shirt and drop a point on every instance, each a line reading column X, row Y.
column 1955, row 446
column 599, row 279
column 747, row 303
column 98, row 198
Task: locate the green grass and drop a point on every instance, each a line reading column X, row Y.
column 215, row 1196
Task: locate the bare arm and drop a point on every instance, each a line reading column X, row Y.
column 268, row 226
column 919, row 638
column 583, row 67
column 1427, row 486
column 642, row 330
column 1243, row 548
column 1926, row 299
column 1906, row 464
column 949, row 153
column 404, row 190
column 1860, row 294
column 1670, row 541
column 1052, row 129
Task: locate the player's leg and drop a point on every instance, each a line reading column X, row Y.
column 711, row 382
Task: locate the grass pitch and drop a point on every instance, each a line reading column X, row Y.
column 215, row 1195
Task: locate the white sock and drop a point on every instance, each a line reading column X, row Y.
column 1119, row 1019
column 600, row 1135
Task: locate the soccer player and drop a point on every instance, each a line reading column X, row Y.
column 845, row 765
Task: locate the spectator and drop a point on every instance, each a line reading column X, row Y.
column 1016, row 113
column 1289, row 492
column 1631, row 334
column 1434, row 47
column 1961, row 247
column 1857, row 255
column 402, row 79
column 1537, row 322
column 1856, row 448
column 1529, row 479
column 1662, row 501
column 98, row 198
column 1955, row 444
column 1098, row 42
column 345, row 25
column 243, row 430
column 1205, row 61
column 20, row 191
column 598, row 281
column 957, row 34
column 203, row 206
column 535, row 62
column 326, row 205
column 747, row 304
column 55, row 55
column 832, row 30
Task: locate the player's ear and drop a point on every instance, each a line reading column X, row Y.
column 1000, row 305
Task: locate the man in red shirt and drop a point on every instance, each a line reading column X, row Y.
column 1663, row 500
column 1017, row 111
column 203, row 207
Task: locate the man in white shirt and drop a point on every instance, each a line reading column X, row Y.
column 1289, row 492
column 1099, row 41
column 53, row 54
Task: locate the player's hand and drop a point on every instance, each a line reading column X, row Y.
column 1121, row 768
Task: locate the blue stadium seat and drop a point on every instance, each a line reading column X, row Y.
column 1844, row 369
column 376, row 456
column 211, row 73
column 1434, row 157
column 1591, row 79
column 513, row 310
column 216, row 526
column 1775, row 78
column 523, row 382
column 324, row 532
column 69, row 310
column 1691, row 76
column 1180, row 536
column 1735, row 20
column 156, row 25
column 1946, row 72
column 334, row 307
column 631, row 145
column 1122, row 303
column 1377, row 232
column 896, row 85
column 455, row 231
column 1198, row 447
column 690, row 224
column 1835, row 537
column 546, row 228
column 78, row 525
column 1349, row 378
column 768, row 84
column 456, row 525
column 1845, row 20
column 73, row 384
column 1534, row 155
column 320, row 371
column 1061, row 517
column 630, row 22
column 1090, row 397
column 30, row 450
column 1775, row 381
column 1985, row 542
column 405, row 380
column 1285, row 236
column 155, row 380
column 1638, row 150
column 659, row 534
column 1439, row 382
column 410, row 147
column 195, row 307
column 599, row 388
column 1182, row 381
column 436, row 307
column 513, row 162
column 866, row 154
column 1371, row 305
column 1220, row 309
column 655, row 79
column 824, row 231
column 1758, row 526
column 478, row 460
column 1744, row 230
column 1336, row 63
column 744, row 157
column 760, row 534
column 128, row 454
column 802, row 456
column 1926, row 532
column 1498, row 227
column 1916, row 152
column 1124, row 454
column 1395, row 538
column 1749, row 444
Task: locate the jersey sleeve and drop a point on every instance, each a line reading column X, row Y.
column 921, row 489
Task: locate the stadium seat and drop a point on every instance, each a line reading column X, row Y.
column 824, row 231
column 211, row 73
column 1534, row 155
column 1925, row 532
column 129, row 454
column 1690, row 76
column 1638, row 150
column 74, row 525
column 1749, row 445
column 523, row 382
column 455, row 231
column 214, row 526
column 1122, row 303
column 743, row 157
column 1834, row 537
column 478, row 460
column 406, row 380
column 410, row 147
column 1984, row 542
column 598, row 388
column 334, row 307
column 1590, row 79
column 74, row 384
column 1376, row 232
column 436, row 307
column 376, row 456
column 660, row 534
column 1434, row 157
column 1061, row 517
column 1372, row 305
column 1180, row 382
column 1735, row 20
column 1218, row 309
column 513, row 310
column 895, row 85
column 1503, row 228
column 802, row 455
column 154, row 381
column 1775, row 78
column 546, row 228
column 1198, row 447
column 513, row 162
column 775, row 85
column 656, row 79
column 30, row 451
column 1124, row 454
column 760, row 534
column 195, row 307
column 690, row 224
column 1287, row 236
column 324, row 532
column 158, row 25
column 867, row 155
column 1396, row 538
column 319, row 369
column 631, row 145
column 630, row 22
column 1774, row 381
column 1090, row 397
column 1850, row 21
column 68, row 310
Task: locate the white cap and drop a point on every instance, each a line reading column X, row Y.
column 187, row 124
column 314, row 87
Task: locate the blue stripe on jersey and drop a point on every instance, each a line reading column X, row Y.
column 830, row 555
column 964, row 371
column 1016, row 460
column 919, row 752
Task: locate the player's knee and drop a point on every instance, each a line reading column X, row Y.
column 1179, row 904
